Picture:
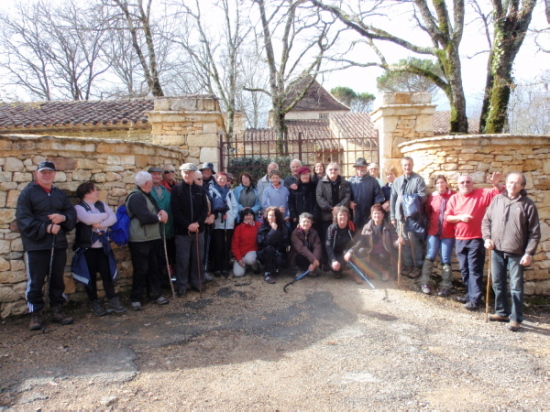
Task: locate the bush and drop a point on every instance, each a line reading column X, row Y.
column 257, row 166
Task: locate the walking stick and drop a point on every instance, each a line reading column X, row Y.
column 488, row 296
column 399, row 253
column 361, row 274
column 168, row 268
column 303, row 275
column 47, row 283
column 198, row 263
column 225, row 253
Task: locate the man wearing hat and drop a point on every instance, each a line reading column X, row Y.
column 190, row 207
column 44, row 216
column 365, row 192
column 208, row 172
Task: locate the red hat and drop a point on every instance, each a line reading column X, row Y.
column 303, row 170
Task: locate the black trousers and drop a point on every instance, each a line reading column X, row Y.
column 272, row 259
column 38, row 265
column 221, row 248
column 144, row 261
column 187, row 262
column 98, row 261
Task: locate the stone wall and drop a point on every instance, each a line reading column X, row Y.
column 141, row 134
column 111, row 164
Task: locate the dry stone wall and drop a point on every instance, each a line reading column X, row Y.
column 112, row 164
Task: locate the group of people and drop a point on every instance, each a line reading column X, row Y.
column 190, row 232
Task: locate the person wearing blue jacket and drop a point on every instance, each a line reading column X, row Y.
column 246, row 194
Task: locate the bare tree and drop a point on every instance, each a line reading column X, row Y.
column 529, row 108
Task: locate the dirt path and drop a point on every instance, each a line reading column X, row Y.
column 327, row 344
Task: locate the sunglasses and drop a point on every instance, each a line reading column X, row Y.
column 465, row 182
column 169, row 171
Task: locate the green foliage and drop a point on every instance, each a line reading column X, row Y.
column 358, row 102
column 257, row 166
column 344, row 94
column 404, row 77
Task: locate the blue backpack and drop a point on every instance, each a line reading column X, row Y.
column 120, row 231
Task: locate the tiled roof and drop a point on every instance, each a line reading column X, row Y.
column 74, row 113
column 442, row 124
column 353, row 125
column 316, row 98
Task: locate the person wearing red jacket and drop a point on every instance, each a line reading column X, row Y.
column 441, row 238
column 244, row 245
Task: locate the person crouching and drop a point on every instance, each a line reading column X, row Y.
column 306, row 244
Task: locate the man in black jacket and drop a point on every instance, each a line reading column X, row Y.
column 190, row 207
column 44, row 216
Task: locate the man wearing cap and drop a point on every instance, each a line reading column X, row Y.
column 365, row 192
column 169, row 180
column 145, row 240
column 44, row 216
column 208, row 172
column 162, row 196
column 190, row 207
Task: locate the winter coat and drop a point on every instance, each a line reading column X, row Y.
column 365, row 192
column 324, row 196
column 436, row 201
column 303, row 199
column 257, row 205
column 230, row 207
column 268, row 237
column 144, row 222
column 163, row 202
column 299, row 241
column 189, row 204
column 338, row 240
column 89, row 214
column 365, row 243
column 244, row 240
column 403, row 185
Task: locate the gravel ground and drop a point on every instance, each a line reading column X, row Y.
column 246, row 345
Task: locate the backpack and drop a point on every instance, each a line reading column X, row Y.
column 120, row 231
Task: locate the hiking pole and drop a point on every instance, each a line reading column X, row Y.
column 361, row 274
column 488, row 296
column 47, row 284
column 303, row 275
column 225, row 253
column 168, row 268
column 198, row 263
column 399, row 253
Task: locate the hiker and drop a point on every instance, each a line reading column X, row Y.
column 93, row 219
column 374, row 170
column 247, row 194
column 441, row 238
column 190, row 207
column 263, row 183
column 272, row 241
column 244, row 245
column 307, row 249
column 169, row 180
column 511, row 229
column 318, row 172
column 391, row 175
column 376, row 246
column 410, row 187
column 208, row 172
column 44, row 216
column 365, row 192
column 303, row 199
column 276, row 195
column 339, row 238
column 291, row 181
column 466, row 210
column 208, row 222
column 145, row 240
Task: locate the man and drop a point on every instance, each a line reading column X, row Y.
column 190, row 207
column 511, row 230
column 374, row 171
column 409, row 186
column 162, row 197
column 264, row 182
column 291, row 181
column 169, row 180
column 209, row 221
column 365, row 192
column 466, row 210
column 145, row 240
column 44, row 216
column 208, row 172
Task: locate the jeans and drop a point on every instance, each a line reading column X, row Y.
column 471, row 257
column 434, row 245
column 500, row 262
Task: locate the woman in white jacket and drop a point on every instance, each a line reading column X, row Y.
column 224, row 206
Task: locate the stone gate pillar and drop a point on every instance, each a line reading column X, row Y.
column 401, row 117
column 190, row 123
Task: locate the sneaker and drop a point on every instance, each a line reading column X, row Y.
column 471, row 306
column 498, row 318
column 386, row 276
column 136, row 306
column 268, row 278
column 462, row 299
column 161, row 300
column 208, row 277
column 444, row 293
column 298, row 274
column 514, row 326
column 58, row 316
column 113, row 305
column 426, row 289
column 37, row 320
column 97, row 308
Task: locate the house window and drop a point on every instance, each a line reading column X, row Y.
column 323, row 116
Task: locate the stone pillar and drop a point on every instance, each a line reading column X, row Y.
column 190, row 123
column 401, row 117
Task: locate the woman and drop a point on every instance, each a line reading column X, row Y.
column 306, row 252
column 303, row 199
column 319, row 172
column 441, row 236
column 247, row 194
column 92, row 246
column 391, row 175
column 272, row 243
column 276, row 194
column 339, row 237
column 377, row 245
column 224, row 205
column 244, row 245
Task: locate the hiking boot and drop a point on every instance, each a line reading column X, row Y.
column 114, row 305
column 208, row 277
column 462, row 299
column 514, row 326
column 181, row 292
column 268, row 278
column 256, row 268
column 498, row 318
column 426, row 289
column 58, row 316
column 415, row 273
column 136, row 306
column 218, row 273
column 406, row 271
column 444, row 293
column 161, row 300
column 471, row 306
column 225, row 273
column 386, row 276
column 37, row 320
column 314, row 273
column 97, row 308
